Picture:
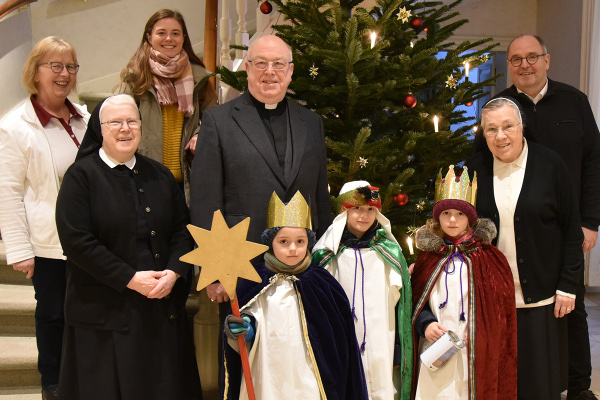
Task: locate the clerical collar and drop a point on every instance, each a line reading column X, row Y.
column 260, row 105
column 111, row 162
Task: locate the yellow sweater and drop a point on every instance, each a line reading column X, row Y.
column 172, row 128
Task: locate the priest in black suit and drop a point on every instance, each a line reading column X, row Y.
column 256, row 144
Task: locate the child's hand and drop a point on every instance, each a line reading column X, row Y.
column 411, row 267
column 434, row 331
column 235, row 327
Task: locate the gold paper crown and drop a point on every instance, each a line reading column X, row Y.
column 455, row 188
column 296, row 213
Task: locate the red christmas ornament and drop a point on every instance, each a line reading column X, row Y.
column 401, row 199
column 266, row 7
column 416, row 23
column 469, row 104
column 410, row 101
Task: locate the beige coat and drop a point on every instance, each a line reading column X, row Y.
column 151, row 144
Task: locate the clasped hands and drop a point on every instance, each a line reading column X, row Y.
column 153, row 284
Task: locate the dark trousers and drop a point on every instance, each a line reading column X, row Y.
column 49, row 282
column 542, row 356
column 580, row 360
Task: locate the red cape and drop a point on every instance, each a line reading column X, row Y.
column 495, row 330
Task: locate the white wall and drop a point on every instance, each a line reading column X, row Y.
column 15, row 31
column 499, row 19
column 559, row 24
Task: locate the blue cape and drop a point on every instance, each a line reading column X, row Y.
column 330, row 329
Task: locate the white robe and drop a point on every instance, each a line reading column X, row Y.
column 280, row 362
column 450, row 381
column 382, row 284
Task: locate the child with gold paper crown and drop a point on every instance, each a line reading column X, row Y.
column 296, row 322
column 359, row 250
column 462, row 283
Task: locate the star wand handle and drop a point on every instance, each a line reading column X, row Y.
column 235, row 309
column 224, row 255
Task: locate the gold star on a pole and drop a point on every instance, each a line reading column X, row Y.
column 224, row 254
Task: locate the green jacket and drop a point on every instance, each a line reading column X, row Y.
column 151, row 143
column 391, row 253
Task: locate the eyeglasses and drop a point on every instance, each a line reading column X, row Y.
column 116, row 124
column 508, row 129
column 58, row 67
column 276, row 65
column 531, row 59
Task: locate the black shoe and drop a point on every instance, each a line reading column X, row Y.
column 585, row 395
column 50, row 392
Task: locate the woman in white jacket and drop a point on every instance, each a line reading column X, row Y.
column 38, row 142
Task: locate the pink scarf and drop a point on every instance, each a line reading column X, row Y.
column 173, row 80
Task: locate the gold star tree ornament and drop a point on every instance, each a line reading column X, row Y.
column 451, row 82
column 224, row 254
column 403, row 14
column 313, row 71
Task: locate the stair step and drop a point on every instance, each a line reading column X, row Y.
column 17, row 310
column 21, row 393
column 17, row 379
column 17, row 298
column 9, row 275
column 18, row 362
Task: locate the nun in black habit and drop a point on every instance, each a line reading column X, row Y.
column 122, row 221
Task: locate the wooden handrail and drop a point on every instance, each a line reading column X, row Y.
column 210, row 36
column 11, row 5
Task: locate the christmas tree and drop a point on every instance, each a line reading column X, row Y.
column 374, row 77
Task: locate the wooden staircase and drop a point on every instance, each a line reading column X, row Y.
column 19, row 377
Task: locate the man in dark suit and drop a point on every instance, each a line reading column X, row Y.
column 560, row 117
column 258, row 144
